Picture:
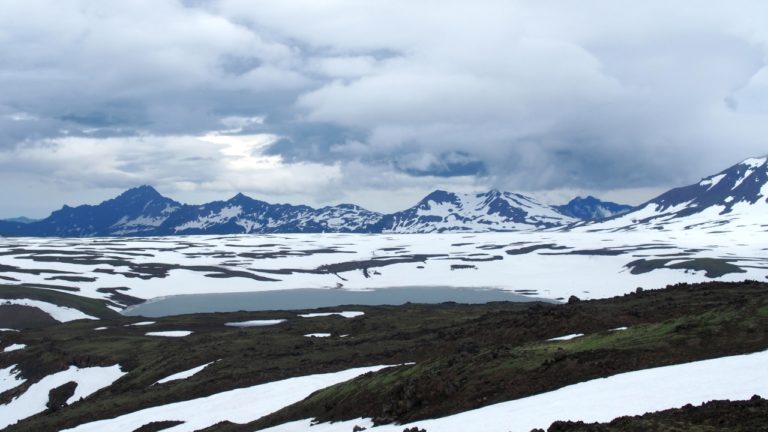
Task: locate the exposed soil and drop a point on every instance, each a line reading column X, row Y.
column 158, row 426
column 23, row 317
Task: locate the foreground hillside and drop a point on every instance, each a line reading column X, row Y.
column 247, row 371
column 732, row 416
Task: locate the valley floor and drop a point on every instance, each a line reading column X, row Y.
column 548, row 265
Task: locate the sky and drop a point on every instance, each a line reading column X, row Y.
column 374, row 102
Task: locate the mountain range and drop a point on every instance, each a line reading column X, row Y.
column 735, row 194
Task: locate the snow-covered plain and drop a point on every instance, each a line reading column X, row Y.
column 600, row 400
column 238, row 406
column 89, row 380
column 553, row 265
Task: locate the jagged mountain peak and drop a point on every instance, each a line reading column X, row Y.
column 143, row 192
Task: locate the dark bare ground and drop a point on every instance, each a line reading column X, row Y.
column 158, row 426
column 726, row 416
column 21, row 317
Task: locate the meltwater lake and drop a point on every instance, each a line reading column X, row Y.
column 311, row 298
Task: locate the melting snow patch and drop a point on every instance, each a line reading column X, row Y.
column 345, row 314
column 7, row 329
column 170, row 333
column 14, row 347
column 238, row 406
column 183, row 375
column 9, row 379
column 100, row 328
column 255, row 323
column 566, row 337
column 320, row 335
column 618, row 329
column 31, row 402
column 143, row 323
column 59, row 313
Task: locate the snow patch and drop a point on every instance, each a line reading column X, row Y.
column 170, row 333
column 31, row 402
column 9, row 378
column 183, row 375
column 566, row 337
column 345, row 314
column 14, row 347
column 143, row 323
column 255, row 323
column 317, row 335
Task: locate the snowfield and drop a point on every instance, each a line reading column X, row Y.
column 551, row 265
column 238, row 406
column 600, row 400
column 89, row 380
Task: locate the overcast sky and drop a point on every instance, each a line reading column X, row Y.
column 374, row 102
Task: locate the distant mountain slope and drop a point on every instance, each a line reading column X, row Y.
column 242, row 214
column 592, row 208
column 137, row 211
column 20, row 219
column 491, row 211
column 735, row 196
column 142, row 211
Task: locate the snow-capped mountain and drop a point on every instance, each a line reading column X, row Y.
column 443, row 211
column 143, row 211
column 737, row 196
column 242, row 214
column 137, row 211
column 590, row 208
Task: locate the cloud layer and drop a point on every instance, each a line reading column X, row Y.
column 374, row 102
